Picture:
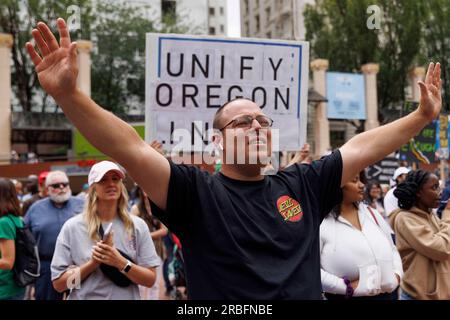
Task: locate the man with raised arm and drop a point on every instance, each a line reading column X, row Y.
column 245, row 235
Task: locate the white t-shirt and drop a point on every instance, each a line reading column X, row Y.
column 390, row 202
column 74, row 248
column 368, row 255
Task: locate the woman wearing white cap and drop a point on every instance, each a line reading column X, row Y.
column 391, row 201
column 104, row 253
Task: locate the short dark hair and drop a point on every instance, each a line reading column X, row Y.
column 216, row 122
column 406, row 192
column 9, row 203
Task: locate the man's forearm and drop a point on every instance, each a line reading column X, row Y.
column 371, row 146
column 104, row 130
column 388, row 138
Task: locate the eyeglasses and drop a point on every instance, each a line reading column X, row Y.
column 61, row 185
column 246, row 121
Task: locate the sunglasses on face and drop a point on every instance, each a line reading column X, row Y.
column 246, row 121
column 61, row 185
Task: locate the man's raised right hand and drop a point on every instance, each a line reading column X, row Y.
column 56, row 65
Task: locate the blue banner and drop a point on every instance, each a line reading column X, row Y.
column 346, row 96
column 442, row 152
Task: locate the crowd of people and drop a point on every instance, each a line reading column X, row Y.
column 67, row 228
column 311, row 230
column 370, row 245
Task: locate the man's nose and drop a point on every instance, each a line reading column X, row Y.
column 255, row 124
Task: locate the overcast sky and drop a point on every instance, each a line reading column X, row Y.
column 234, row 18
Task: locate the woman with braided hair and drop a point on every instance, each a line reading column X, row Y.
column 423, row 240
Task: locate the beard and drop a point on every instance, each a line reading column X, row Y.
column 60, row 198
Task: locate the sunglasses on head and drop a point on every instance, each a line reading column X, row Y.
column 61, row 185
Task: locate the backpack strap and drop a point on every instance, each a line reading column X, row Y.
column 373, row 215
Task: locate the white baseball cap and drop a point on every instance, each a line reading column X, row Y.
column 399, row 171
column 99, row 169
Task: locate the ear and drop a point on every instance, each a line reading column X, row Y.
column 419, row 193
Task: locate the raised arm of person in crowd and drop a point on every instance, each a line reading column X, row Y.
column 300, row 156
column 373, row 145
column 56, row 66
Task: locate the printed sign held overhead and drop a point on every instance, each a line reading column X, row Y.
column 189, row 77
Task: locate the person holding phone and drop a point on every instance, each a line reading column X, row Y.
column 104, row 253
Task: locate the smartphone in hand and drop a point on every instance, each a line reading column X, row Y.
column 107, row 233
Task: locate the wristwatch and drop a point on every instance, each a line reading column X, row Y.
column 127, row 267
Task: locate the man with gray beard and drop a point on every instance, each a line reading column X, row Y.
column 46, row 218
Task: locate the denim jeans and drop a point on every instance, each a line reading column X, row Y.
column 43, row 286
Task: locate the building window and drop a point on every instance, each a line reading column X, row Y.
column 247, row 28
column 212, row 12
column 222, row 29
column 222, row 11
column 212, row 30
column 257, row 23
column 246, row 9
column 268, row 14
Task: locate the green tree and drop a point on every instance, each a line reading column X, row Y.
column 18, row 18
column 118, row 66
column 117, row 31
column 437, row 45
column 337, row 31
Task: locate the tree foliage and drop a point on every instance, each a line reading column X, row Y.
column 118, row 66
column 411, row 33
column 437, row 44
column 117, row 31
column 18, row 18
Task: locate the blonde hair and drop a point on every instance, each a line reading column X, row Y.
column 91, row 216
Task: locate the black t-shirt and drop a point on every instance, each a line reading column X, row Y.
column 252, row 239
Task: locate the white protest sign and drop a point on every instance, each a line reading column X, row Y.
column 189, row 77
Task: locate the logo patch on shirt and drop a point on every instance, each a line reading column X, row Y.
column 289, row 209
